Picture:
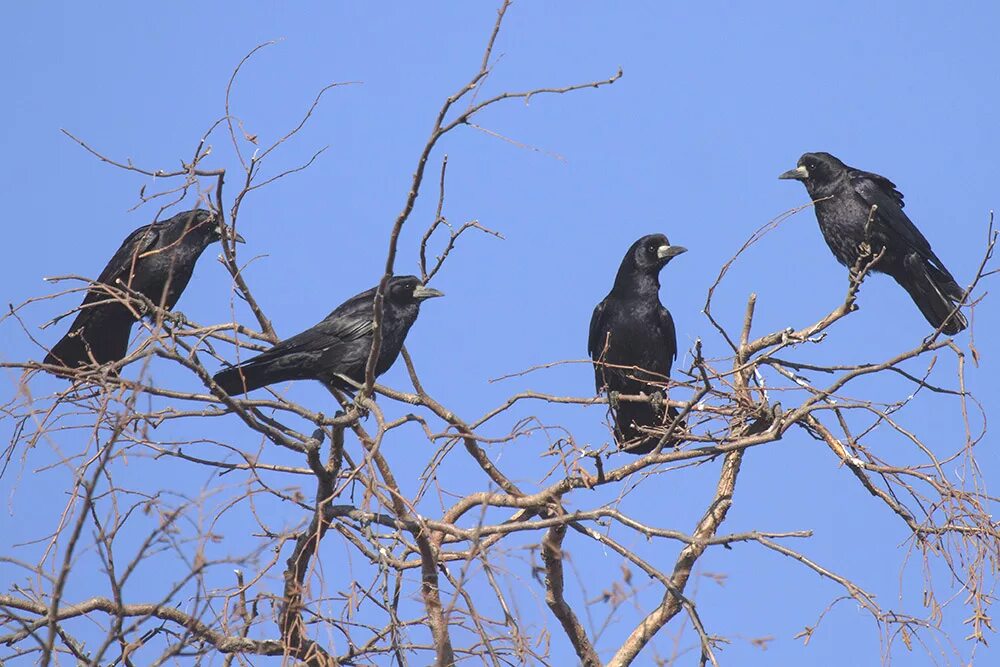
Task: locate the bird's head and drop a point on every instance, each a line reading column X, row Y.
column 407, row 290
column 207, row 225
column 652, row 252
column 815, row 169
column 198, row 228
column 215, row 224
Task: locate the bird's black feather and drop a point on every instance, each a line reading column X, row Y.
column 633, row 343
column 844, row 199
column 335, row 350
column 156, row 261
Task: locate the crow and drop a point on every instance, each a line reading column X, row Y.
column 844, row 198
column 633, row 343
column 336, row 350
column 156, row 261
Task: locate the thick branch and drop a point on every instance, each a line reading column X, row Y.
column 552, row 557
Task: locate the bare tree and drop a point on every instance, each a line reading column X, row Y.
column 353, row 564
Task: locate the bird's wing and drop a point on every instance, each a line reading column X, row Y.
column 121, row 264
column 595, row 341
column 887, row 187
column 669, row 332
column 125, row 257
column 879, row 191
column 331, row 331
column 347, row 329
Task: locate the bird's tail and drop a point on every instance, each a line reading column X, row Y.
column 935, row 292
column 245, row 378
column 103, row 341
column 636, row 441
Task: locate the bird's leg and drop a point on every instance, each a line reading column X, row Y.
column 856, row 272
column 613, row 397
column 334, row 382
column 656, row 399
column 181, row 319
column 361, row 404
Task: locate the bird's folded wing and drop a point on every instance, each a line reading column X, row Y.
column 669, row 332
column 328, row 333
column 349, row 329
column 125, row 258
column 864, row 180
column 879, row 191
column 595, row 341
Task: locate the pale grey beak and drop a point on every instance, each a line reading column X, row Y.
column 420, row 293
column 669, row 251
column 236, row 237
column 800, row 173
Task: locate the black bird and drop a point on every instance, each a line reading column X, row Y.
column 336, row 350
column 156, row 261
column 632, row 329
column 844, row 199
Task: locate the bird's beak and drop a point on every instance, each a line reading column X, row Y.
column 668, row 251
column 800, row 173
column 420, row 293
column 236, row 237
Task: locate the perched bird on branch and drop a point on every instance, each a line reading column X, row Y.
column 155, row 261
column 857, row 207
column 336, row 350
column 633, row 344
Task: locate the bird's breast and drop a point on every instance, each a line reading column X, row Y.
column 635, row 338
column 842, row 221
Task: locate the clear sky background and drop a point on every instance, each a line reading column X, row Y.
column 717, row 99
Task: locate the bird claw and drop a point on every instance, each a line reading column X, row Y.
column 361, row 405
column 656, row 399
column 142, row 308
column 613, row 397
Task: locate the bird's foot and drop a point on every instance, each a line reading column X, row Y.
column 613, row 397
column 144, row 309
column 656, row 399
column 362, row 404
column 855, row 279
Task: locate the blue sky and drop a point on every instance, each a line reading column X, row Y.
column 716, row 100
